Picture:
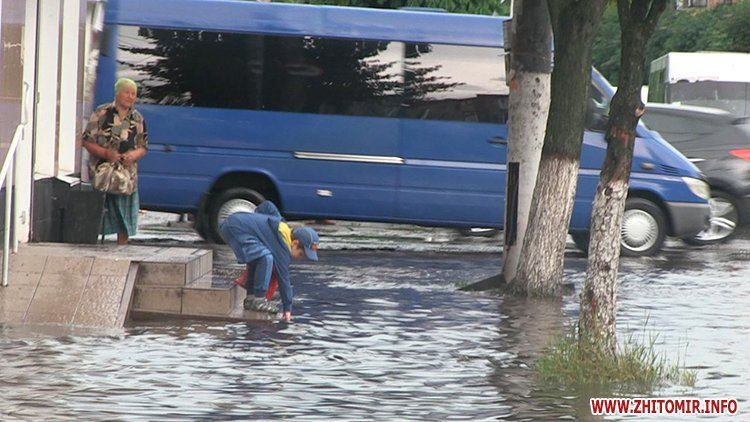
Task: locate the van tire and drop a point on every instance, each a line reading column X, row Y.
column 644, row 228
column 644, row 215
column 224, row 203
column 199, row 225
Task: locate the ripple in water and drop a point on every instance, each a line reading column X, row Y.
column 376, row 336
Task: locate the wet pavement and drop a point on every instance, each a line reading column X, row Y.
column 382, row 334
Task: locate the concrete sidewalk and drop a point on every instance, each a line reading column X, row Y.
column 105, row 285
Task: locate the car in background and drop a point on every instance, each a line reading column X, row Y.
column 718, row 143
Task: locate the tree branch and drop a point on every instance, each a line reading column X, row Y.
column 638, row 10
column 655, row 12
column 623, row 13
column 555, row 8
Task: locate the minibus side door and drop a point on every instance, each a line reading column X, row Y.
column 453, row 135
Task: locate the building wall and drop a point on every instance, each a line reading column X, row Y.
column 12, row 16
column 17, row 32
column 44, row 64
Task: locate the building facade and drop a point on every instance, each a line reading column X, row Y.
column 49, row 53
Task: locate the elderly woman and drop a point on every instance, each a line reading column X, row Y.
column 116, row 132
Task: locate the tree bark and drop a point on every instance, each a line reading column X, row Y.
column 529, row 82
column 596, row 324
column 540, row 270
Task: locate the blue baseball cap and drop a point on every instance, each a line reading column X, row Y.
column 308, row 238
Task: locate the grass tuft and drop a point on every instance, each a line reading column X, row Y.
column 636, row 367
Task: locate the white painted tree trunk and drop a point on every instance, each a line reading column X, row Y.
column 529, row 108
column 599, row 294
column 596, row 322
column 541, row 270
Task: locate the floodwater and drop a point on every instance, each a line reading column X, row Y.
column 383, row 335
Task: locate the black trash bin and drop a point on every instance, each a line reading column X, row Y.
column 83, row 215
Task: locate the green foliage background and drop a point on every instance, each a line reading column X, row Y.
column 723, row 28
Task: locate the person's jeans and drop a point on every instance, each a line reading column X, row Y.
column 261, row 274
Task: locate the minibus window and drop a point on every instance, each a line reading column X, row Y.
column 192, row 68
column 597, row 110
column 453, row 82
column 332, row 76
column 263, row 72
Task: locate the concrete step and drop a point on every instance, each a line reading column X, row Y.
column 210, row 297
column 87, row 285
column 175, row 267
column 157, row 299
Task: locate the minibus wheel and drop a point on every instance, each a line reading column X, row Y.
column 644, row 228
column 199, row 225
column 228, row 202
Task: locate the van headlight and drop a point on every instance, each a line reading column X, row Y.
column 698, row 187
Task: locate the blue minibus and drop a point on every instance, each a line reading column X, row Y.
column 354, row 114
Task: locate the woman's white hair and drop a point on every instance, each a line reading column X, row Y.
column 123, row 83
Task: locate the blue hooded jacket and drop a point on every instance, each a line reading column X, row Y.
column 252, row 235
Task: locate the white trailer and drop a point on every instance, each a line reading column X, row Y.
column 709, row 79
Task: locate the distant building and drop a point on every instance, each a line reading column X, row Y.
column 687, row 4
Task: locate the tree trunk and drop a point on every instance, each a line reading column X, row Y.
column 529, row 82
column 596, row 323
column 540, row 270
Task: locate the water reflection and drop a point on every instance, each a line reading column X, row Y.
column 375, row 336
column 526, row 327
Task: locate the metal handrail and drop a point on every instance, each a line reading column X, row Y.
column 6, row 178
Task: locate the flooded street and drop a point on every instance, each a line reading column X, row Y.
column 383, row 335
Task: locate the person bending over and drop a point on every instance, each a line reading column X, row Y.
column 266, row 245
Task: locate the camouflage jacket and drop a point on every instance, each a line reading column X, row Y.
column 106, row 129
